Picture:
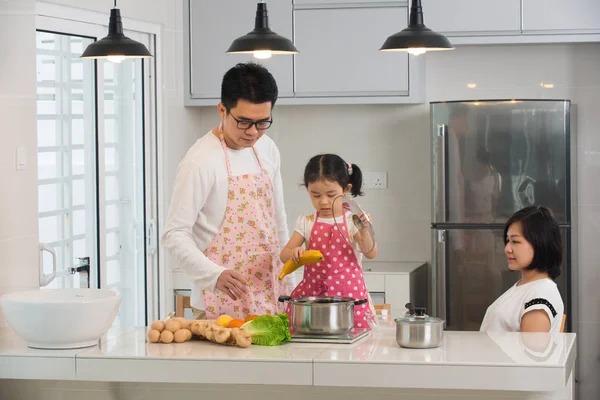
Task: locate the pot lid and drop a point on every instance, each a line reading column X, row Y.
column 322, row 300
column 416, row 320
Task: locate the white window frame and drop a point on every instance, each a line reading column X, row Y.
column 75, row 21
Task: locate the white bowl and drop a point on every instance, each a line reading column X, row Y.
column 61, row 318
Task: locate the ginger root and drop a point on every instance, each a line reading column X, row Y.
column 219, row 334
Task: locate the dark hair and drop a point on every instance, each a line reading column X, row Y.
column 539, row 227
column 248, row 81
column 333, row 168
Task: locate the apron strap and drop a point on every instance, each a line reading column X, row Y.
column 224, row 146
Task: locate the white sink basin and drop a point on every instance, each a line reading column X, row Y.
column 61, row 318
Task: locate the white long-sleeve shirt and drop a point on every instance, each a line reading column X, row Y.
column 198, row 204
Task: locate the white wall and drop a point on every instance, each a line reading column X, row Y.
column 18, row 201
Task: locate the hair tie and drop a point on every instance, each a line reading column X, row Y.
column 349, row 169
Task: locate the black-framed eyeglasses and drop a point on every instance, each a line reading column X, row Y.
column 245, row 124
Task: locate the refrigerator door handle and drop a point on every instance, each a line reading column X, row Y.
column 441, row 257
column 442, row 139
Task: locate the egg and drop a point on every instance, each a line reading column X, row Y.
column 158, row 325
column 153, row 336
column 172, row 326
column 180, row 336
column 185, row 323
column 166, row 336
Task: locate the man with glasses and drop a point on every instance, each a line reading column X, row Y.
column 227, row 219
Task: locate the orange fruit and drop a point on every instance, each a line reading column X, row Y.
column 223, row 320
column 235, row 323
column 250, row 317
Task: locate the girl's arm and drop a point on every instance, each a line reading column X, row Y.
column 293, row 248
column 366, row 245
column 535, row 321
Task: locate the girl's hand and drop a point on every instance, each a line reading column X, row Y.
column 297, row 253
column 364, row 219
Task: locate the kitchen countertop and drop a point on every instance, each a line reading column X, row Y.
column 465, row 360
column 392, row 268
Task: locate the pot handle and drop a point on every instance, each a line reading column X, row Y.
column 359, row 302
column 283, row 299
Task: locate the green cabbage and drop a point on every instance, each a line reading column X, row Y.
column 269, row 330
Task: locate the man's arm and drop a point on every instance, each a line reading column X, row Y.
column 190, row 192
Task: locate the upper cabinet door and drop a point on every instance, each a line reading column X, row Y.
column 339, row 52
column 560, row 15
column 213, row 25
column 327, row 3
column 463, row 17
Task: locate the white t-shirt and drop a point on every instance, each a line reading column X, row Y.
column 198, row 204
column 504, row 315
column 305, row 222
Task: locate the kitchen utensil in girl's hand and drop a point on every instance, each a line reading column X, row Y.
column 360, row 233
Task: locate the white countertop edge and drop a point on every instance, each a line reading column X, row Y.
column 55, row 368
column 439, row 363
column 440, row 377
column 192, row 371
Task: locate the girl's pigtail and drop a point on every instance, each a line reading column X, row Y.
column 356, row 179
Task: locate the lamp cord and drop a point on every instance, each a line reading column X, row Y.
column 115, row 3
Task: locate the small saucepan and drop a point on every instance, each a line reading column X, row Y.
column 322, row 315
column 417, row 330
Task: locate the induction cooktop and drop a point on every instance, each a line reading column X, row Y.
column 351, row 336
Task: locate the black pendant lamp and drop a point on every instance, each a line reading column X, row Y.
column 116, row 46
column 417, row 38
column 262, row 41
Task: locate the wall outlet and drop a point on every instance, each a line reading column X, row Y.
column 379, row 180
column 375, row 180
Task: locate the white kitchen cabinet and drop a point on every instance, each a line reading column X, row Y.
column 212, row 26
column 340, row 54
column 575, row 16
column 473, row 17
column 344, row 3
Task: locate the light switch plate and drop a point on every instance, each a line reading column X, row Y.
column 21, row 158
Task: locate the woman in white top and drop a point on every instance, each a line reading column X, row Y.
column 533, row 247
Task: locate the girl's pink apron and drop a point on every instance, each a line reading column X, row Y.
column 247, row 242
column 339, row 274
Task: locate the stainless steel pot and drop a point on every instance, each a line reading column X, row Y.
column 322, row 315
column 417, row 330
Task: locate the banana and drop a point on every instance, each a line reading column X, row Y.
column 308, row 257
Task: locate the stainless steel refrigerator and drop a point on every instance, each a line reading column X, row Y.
column 490, row 159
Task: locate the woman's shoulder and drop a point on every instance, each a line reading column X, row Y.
column 544, row 286
column 544, row 291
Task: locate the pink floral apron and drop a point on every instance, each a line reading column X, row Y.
column 339, row 274
column 247, row 242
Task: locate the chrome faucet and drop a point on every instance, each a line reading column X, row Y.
column 84, row 272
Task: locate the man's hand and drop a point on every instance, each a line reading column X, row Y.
column 232, row 283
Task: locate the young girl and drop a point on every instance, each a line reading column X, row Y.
column 533, row 247
column 327, row 177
